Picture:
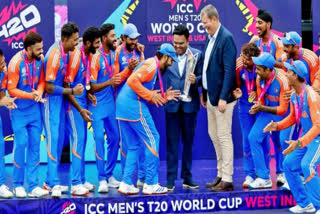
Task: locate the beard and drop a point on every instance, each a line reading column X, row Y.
column 263, row 33
column 36, row 57
column 92, row 49
column 111, row 45
column 128, row 47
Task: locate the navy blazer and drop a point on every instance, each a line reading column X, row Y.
column 177, row 82
column 221, row 68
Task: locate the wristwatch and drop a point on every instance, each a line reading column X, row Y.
column 299, row 144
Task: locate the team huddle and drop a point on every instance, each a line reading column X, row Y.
column 109, row 83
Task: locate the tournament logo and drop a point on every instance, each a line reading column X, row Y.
column 68, row 208
column 16, row 20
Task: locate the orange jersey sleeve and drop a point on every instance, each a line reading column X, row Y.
column 74, row 64
column 42, row 82
column 280, row 54
column 53, row 64
column 313, row 63
column 143, row 74
column 288, row 121
column 4, row 80
column 13, row 79
column 284, row 87
column 314, row 107
column 95, row 67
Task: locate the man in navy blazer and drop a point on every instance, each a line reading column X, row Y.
column 218, row 80
column 181, row 117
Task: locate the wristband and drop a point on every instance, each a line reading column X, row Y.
column 58, row 90
column 299, row 144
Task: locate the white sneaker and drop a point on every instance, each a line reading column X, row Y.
column 38, row 193
column 20, row 192
column 56, row 191
column 5, row 192
column 281, row 179
column 103, row 186
column 46, row 186
column 308, row 209
column 247, row 181
column 285, row 186
column 113, row 183
column 89, row 186
column 260, row 183
column 154, row 189
column 127, row 189
column 140, row 183
column 79, row 190
column 318, row 212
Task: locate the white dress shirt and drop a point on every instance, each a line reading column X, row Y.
column 182, row 62
column 207, row 56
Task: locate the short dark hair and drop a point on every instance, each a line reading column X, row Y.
column 69, row 29
column 106, row 28
column 1, row 52
column 250, row 49
column 90, row 34
column 265, row 16
column 181, row 30
column 31, row 39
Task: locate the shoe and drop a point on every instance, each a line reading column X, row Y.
column 222, row 187
column 247, row 181
column 308, row 209
column 56, row 191
column 20, row 192
column 5, row 192
column 79, row 189
column 214, row 183
column 89, row 186
column 188, row 183
column 140, row 183
column 113, row 183
column 260, row 183
column 103, row 186
column 154, row 189
column 281, row 179
column 318, row 212
column 38, row 193
column 285, row 186
column 170, row 186
column 46, row 186
column 127, row 189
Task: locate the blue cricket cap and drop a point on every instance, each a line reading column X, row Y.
column 168, row 49
column 291, row 38
column 297, row 67
column 265, row 59
column 131, row 31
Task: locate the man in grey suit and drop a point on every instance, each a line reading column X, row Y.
column 181, row 117
column 218, row 80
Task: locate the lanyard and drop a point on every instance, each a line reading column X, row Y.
column 31, row 79
column 86, row 63
column 265, row 88
column 127, row 54
column 108, row 66
column 65, row 63
column 268, row 44
column 298, row 106
column 159, row 77
column 249, row 84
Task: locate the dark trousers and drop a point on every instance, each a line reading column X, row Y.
column 176, row 123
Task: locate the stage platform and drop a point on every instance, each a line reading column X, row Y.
column 179, row 201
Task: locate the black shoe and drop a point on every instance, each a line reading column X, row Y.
column 170, row 186
column 214, row 183
column 188, row 183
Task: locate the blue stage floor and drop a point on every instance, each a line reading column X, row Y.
column 238, row 201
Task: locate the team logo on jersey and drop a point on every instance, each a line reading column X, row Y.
column 23, row 72
column 124, row 60
column 276, row 90
column 243, row 76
